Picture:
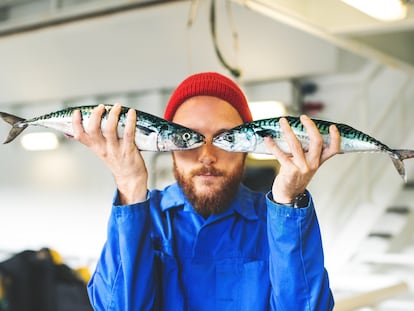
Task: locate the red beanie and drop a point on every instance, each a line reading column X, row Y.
column 209, row 84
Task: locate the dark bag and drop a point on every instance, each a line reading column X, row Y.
column 35, row 283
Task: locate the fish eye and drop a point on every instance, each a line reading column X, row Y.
column 186, row 136
column 229, row 138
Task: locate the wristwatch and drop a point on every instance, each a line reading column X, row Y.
column 301, row 200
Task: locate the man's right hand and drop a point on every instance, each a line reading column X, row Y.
column 120, row 155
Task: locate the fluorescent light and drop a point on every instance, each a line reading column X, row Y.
column 267, row 109
column 39, row 141
column 260, row 156
column 384, row 10
column 264, row 110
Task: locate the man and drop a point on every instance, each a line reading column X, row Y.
column 207, row 242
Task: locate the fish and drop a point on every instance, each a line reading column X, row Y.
column 249, row 137
column 152, row 133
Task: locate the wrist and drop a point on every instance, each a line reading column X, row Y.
column 132, row 191
column 301, row 200
column 128, row 198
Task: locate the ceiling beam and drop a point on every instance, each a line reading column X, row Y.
column 276, row 11
column 75, row 13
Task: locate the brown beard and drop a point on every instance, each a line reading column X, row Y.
column 213, row 202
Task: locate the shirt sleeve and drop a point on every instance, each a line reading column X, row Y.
column 297, row 273
column 124, row 276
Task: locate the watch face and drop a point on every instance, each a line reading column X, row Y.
column 301, row 200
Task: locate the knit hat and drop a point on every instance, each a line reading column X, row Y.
column 209, row 84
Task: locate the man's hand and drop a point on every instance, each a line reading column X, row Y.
column 298, row 167
column 120, row 155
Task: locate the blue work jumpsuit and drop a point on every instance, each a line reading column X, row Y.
column 257, row 255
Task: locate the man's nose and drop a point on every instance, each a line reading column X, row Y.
column 208, row 153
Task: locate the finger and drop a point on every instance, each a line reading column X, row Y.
column 130, row 127
column 77, row 126
column 291, row 139
column 334, row 146
column 110, row 130
column 276, row 151
column 315, row 140
column 94, row 126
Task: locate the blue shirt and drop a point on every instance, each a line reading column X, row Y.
column 257, row 255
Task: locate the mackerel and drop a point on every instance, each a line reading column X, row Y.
column 249, row 137
column 152, row 133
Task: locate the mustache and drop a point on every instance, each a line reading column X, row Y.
column 207, row 171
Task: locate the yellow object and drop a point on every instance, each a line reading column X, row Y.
column 57, row 259
column 84, row 274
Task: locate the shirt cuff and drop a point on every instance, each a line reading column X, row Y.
column 116, row 200
column 277, row 209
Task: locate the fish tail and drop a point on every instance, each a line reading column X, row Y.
column 397, row 157
column 17, row 126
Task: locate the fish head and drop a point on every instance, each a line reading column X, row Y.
column 235, row 140
column 181, row 138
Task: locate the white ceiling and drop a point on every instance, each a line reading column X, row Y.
column 156, row 51
column 55, row 57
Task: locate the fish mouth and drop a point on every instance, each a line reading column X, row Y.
column 198, row 144
column 220, row 141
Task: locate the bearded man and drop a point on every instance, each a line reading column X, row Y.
column 207, row 242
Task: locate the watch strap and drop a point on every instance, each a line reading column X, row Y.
column 301, row 200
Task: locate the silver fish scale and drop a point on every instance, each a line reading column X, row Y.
column 346, row 131
column 64, row 113
column 250, row 137
column 144, row 120
column 152, row 133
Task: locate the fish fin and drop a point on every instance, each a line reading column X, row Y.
column 69, row 136
column 144, row 130
column 404, row 154
column 266, row 133
column 397, row 157
column 15, row 122
column 399, row 165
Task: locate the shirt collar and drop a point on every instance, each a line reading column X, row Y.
column 243, row 204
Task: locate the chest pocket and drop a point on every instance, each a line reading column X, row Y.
column 228, row 286
column 244, row 286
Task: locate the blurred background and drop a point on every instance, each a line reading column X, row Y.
column 325, row 58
